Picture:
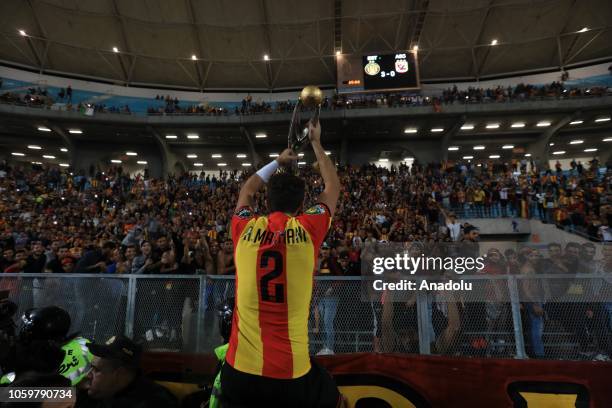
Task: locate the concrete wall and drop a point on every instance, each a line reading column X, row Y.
column 499, row 226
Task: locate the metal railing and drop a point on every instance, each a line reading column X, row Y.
column 573, row 320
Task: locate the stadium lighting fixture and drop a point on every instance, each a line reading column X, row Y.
column 221, row 164
column 141, row 162
column 415, row 48
column 41, row 163
column 408, row 158
column 115, row 49
column 131, row 154
column 453, row 148
column 384, row 160
column 410, row 130
column 494, row 42
column 198, row 164
column 301, row 163
column 246, row 164
column 527, row 154
column 64, row 165
column 75, row 131
column 577, row 122
column 468, row 157
column 327, row 152
column 300, row 154
column 480, row 147
column 577, row 141
column 241, row 156
column 494, row 156
column 63, row 149
column 116, row 161
column 338, row 53
column 192, row 156
column 266, row 57
column 583, row 30
column 518, row 125
column 274, row 155
column 467, row 127
column 216, row 156
column 171, row 137
column 592, row 149
column 551, row 144
column 48, row 156
column 34, row 147
column 194, row 57
column 437, row 130
column 493, row 126
column 17, row 154
column 193, row 136
column 608, row 139
column 506, row 147
column 606, row 119
column 23, row 33
column 543, row 124
column 558, row 152
column 44, row 129
column 260, row 136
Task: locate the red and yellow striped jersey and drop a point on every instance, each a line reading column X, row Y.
column 275, row 258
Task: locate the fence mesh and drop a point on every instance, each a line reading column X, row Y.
column 570, row 319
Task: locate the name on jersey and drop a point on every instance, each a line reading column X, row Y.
column 290, row 236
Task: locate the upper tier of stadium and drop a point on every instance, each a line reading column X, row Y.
column 261, row 45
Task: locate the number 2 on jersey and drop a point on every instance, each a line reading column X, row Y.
column 278, row 296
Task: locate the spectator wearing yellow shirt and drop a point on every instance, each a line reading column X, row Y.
column 478, row 198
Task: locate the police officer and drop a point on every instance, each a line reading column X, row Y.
column 47, row 327
column 226, row 314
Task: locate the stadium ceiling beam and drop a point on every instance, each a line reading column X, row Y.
column 539, row 148
column 18, row 48
column 562, row 29
column 255, row 157
column 337, row 26
column 264, row 12
column 477, row 69
column 41, row 60
column 413, row 36
column 124, row 39
column 448, row 136
column 166, row 154
column 66, row 139
column 584, row 47
column 196, row 36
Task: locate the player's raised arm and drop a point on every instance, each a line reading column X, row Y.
column 257, row 180
column 330, row 194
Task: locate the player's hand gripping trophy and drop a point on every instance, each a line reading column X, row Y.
column 310, row 98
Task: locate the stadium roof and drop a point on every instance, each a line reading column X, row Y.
column 216, row 44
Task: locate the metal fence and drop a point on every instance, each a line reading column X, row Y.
column 569, row 318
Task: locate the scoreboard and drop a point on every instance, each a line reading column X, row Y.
column 371, row 73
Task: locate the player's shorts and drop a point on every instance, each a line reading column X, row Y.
column 314, row 389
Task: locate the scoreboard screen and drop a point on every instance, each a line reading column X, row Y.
column 372, row 73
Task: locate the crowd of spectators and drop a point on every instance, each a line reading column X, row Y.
column 172, row 106
column 190, row 213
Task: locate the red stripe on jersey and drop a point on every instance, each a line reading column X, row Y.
column 230, row 357
column 273, row 309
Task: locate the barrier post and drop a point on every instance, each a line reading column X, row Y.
column 130, row 307
column 201, row 310
column 519, row 340
column 423, row 322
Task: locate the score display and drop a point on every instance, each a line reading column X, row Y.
column 372, row 73
column 395, row 71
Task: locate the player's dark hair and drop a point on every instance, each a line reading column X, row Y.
column 285, row 192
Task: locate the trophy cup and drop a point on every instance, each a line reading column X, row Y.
column 310, row 98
